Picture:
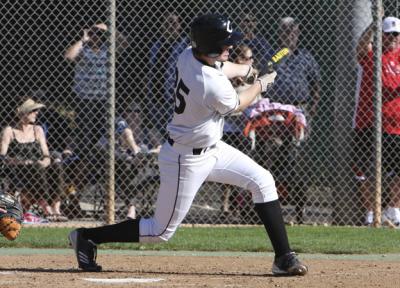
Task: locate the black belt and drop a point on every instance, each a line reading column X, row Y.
column 196, row 151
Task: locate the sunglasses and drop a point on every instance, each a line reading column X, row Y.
column 395, row 34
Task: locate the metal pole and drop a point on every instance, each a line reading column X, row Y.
column 111, row 163
column 377, row 48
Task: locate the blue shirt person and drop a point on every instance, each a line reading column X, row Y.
column 298, row 78
column 297, row 83
column 91, row 60
column 91, row 73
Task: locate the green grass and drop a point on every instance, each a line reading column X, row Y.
column 303, row 239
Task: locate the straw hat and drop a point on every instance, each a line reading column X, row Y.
column 28, row 106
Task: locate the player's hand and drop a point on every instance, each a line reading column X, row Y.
column 266, row 80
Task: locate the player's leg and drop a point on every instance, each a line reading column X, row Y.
column 235, row 168
column 181, row 176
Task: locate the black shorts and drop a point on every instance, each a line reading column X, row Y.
column 364, row 153
column 391, row 155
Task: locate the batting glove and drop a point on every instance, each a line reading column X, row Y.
column 266, row 80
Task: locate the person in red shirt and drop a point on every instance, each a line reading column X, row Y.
column 364, row 119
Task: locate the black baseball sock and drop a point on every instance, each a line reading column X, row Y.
column 127, row 231
column 270, row 214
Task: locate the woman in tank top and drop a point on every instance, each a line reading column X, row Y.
column 24, row 149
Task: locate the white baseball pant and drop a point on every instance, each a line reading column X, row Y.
column 182, row 174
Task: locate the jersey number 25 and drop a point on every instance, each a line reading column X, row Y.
column 180, row 91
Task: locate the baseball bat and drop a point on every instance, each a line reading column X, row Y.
column 276, row 58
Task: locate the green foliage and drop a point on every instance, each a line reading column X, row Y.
column 303, row 239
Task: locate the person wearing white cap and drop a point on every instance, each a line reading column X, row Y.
column 364, row 120
column 24, row 150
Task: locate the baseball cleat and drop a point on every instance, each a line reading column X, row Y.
column 85, row 251
column 289, row 265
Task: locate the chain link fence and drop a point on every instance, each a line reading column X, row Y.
column 59, row 53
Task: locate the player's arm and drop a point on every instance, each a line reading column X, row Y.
column 247, row 96
column 232, row 70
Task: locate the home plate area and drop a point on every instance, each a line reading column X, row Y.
column 123, row 280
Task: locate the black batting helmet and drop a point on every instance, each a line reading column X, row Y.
column 212, row 31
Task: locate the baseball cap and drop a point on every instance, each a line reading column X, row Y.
column 391, row 24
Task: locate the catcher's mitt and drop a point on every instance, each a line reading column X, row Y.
column 10, row 216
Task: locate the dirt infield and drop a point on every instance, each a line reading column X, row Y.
column 59, row 270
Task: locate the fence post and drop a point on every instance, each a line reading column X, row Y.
column 377, row 48
column 111, row 153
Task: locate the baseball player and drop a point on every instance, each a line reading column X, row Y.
column 194, row 152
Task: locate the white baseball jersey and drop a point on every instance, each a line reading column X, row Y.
column 203, row 96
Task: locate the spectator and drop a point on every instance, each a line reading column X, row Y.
column 364, row 120
column 131, row 160
column 161, row 82
column 56, row 121
column 26, row 154
column 90, row 56
column 135, row 119
column 297, row 83
column 298, row 77
column 262, row 50
column 126, row 145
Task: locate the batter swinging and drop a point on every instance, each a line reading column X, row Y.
column 194, row 152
